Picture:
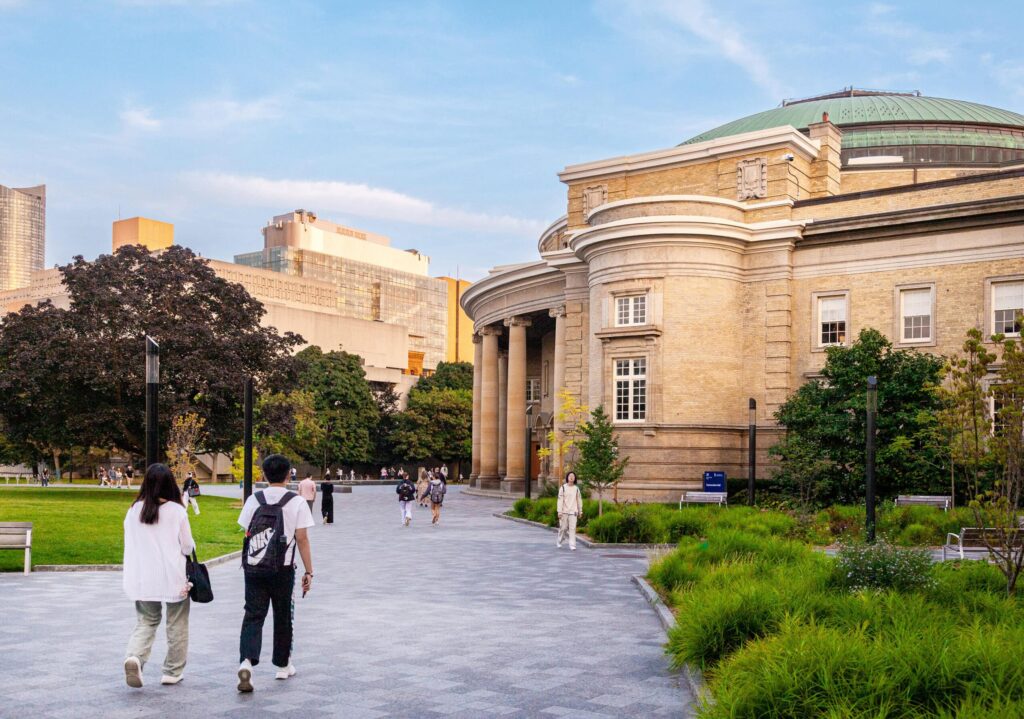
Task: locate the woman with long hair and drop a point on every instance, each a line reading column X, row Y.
column 570, row 508
column 157, row 538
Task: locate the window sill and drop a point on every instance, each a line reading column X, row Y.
column 909, row 344
column 628, row 331
column 822, row 348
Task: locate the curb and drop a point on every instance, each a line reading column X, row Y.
column 583, row 540
column 222, row 559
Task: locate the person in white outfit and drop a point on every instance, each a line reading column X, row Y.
column 570, row 508
column 157, row 538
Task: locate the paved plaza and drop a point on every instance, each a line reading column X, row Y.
column 476, row 617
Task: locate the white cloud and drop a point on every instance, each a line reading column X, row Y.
column 204, row 116
column 139, row 118
column 332, row 196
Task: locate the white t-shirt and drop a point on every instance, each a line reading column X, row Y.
column 296, row 515
column 154, row 554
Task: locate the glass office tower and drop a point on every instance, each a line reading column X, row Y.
column 22, row 234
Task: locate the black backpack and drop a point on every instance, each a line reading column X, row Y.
column 266, row 544
column 406, row 492
column 437, row 493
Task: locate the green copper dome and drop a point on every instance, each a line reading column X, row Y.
column 922, row 130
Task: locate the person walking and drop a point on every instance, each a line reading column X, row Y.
column 406, row 492
column 339, row 474
column 570, row 508
column 104, row 481
column 327, row 501
column 44, row 478
column 307, row 490
column 190, row 491
column 157, row 538
column 129, row 475
column 436, row 490
column 275, row 526
column 444, row 473
column 422, row 484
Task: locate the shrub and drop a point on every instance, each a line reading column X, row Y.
column 686, row 523
column 882, row 566
column 631, row 525
column 916, row 535
column 521, row 508
column 673, row 572
column 545, row 511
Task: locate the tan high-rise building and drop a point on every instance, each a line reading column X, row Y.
column 151, row 234
column 22, row 234
column 460, row 327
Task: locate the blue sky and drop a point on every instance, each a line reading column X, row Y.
column 440, row 124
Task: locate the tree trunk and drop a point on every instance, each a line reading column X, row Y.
column 56, row 464
column 600, row 503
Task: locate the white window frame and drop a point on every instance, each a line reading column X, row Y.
column 993, row 285
column 629, row 382
column 532, row 390
column 631, row 310
column 900, row 314
column 816, row 335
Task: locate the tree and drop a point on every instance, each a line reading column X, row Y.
column 288, row 424
column 185, row 438
column 387, row 400
column 600, row 466
column 436, row 424
column 561, row 447
column 448, row 375
column 87, row 386
column 800, row 468
column 827, row 417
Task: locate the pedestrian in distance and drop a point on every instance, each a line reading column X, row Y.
column 422, row 483
column 294, row 475
column 327, row 501
column 157, row 538
column 307, row 490
column 339, row 474
column 104, row 478
column 436, row 490
column 383, row 473
column 406, row 492
column 118, row 477
column 276, row 526
column 129, row 475
column 190, row 492
column 44, row 478
column 444, row 473
column 570, row 508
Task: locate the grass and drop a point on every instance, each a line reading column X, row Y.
column 85, row 526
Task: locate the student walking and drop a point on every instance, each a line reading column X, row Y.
column 436, row 490
column 406, row 492
column 307, row 490
column 190, row 490
column 104, row 481
column 44, row 478
column 570, row 508
column 327, row 502
column 422, row 483
column 129, row 475
column 157, row 539
column 276, row 524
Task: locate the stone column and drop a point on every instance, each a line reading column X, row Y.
column 489, row 409
column 502, row 411
column 516, row 422
column 478, row 362
column 558, row 383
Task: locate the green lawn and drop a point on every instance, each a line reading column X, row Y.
column 85, row 526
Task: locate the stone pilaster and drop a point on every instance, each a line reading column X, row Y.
column 558, row 381
column 477, row 367
column 502, row 411
column 516, row 418
column 489, row 409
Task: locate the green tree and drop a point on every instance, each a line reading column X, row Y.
column 600, row 466
column 436, row 424
column 827, row 417
column 448, row 375
column 288, row 424
column 387, row 400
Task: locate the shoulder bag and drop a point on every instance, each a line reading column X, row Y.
column 199, row 576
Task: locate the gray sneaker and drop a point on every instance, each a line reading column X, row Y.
column 133, row 672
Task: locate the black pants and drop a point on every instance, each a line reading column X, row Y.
column 260, row 594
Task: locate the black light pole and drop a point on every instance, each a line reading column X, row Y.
column 869, row 460
column 526, row 452
column 152, row 390
column 752, row 450
column 247, row 440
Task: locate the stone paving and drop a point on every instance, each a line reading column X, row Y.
column 476, row 617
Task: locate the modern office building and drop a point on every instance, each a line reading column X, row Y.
column 151, row 234
column 682, row 283
column 22, row 234
column 460, row 327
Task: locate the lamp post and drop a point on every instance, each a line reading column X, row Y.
column 751, row 449
column 152, row 391
column 869, row 459
column 247, row 440
column 526, row 463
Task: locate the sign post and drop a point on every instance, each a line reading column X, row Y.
column 714, row 481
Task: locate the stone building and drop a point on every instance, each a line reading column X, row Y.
column 684, row 282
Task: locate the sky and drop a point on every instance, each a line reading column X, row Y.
column 440, row 124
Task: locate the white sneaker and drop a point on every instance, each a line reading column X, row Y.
column 133, row 672
column 558, row 545
column 285, row 672
column 245, row 676
column 168, row 679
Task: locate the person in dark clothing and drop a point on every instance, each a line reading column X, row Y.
column 327, row 502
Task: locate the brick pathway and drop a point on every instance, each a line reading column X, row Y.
column 477, row 617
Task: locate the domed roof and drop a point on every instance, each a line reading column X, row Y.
column 867, row 108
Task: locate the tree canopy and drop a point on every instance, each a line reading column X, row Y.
column 436, row 424
column 448, row 375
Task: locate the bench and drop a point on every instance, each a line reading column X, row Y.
column 930, row 500
column 971, row 541
column 719, row 498
column 18, row 535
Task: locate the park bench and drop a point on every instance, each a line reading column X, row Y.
column 18, row 535
column 930, row 500
column 971, row 541
column 719, row 498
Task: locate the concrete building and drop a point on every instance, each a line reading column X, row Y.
column 151, row 234
column 683, row 282
column 22, row 234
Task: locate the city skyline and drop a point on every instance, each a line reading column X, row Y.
column 439, row 125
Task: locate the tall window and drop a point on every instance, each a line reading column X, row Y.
column 630, row 389
column 631, row 310
column 533, row 389
column 832, row 320
column 1007, row 306
column 916, row 311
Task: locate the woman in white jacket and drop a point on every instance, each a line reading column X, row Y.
column 570, row 508
column 157, row 538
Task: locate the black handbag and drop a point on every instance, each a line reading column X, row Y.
column 199, row 576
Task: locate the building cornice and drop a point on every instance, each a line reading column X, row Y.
column 513, row 279
column 554, row 228
column 706, row 199
column 745, row 143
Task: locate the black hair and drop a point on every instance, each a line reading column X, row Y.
column 156, row 485
column 573, row 476
column 275, row 468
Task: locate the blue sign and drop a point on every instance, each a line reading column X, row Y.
column 714, row 481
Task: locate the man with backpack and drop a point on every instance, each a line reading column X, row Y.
column 276, row 523
column 406, row 492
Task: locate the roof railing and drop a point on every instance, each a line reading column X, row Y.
column 850, row 91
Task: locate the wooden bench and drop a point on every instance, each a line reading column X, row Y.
column 971, row 541
column 930, row 500
column 719, row 498
column 18, row 535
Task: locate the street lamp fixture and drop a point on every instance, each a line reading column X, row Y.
column 869, row 459
column 152, row 393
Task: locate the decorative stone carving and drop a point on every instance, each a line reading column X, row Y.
column 557, row 311
column 594, row 197
column 519, row 321
column 752, row 179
